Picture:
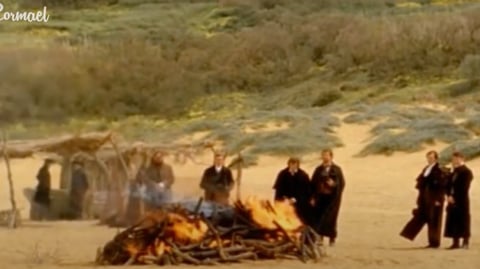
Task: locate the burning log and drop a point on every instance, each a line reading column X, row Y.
column 174, row 235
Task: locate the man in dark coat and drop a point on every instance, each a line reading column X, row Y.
column 458, row 209
column 41, row 207
column 327, row 184
column 78, row 189
column 217, row 181
column 431, row 186
column 293, row 183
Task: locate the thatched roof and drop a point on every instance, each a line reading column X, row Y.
column 129, row 149
column 96, row 144
column 65, row 145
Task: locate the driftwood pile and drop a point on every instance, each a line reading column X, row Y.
column 258, row 230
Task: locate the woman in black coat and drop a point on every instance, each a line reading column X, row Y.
column 458, row 210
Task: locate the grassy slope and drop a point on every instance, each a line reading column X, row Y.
column 243, row 110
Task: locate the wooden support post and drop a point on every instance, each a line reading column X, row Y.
column 121, row 159
column 13, row 223
column 237, row 163
column 65, row 172
column 239, row 177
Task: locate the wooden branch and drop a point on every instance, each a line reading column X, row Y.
column 238, row 164
column 13, row 217
column 239, row 177
column 121, row 159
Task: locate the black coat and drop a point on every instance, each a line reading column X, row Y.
column 327, row 206
column 432, row 188
column 217, row 185
column 458, row 213
column 297, row 186
column 42, row 193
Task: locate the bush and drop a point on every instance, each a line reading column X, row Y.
column 364, row 114
column 326, row 98
column 132, row 66
column 470, row 148
column 473, row 124
column 308, row 131
column 414, row 135
column 463, row 88
column 470, row 67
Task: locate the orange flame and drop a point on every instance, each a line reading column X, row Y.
column 183, row 230
column 271, row 215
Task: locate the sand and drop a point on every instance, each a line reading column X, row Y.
column 378, row 199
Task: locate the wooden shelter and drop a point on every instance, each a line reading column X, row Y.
column 109, row 161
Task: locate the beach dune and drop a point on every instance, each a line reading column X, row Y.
column 378, row 200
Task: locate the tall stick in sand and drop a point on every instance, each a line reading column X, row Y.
column 239, row 165
column 13, row 217
column 123, row 163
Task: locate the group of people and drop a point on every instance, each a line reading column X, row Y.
column 152, row 186
column 41, row 209
column 435, row 184
column 317, row 199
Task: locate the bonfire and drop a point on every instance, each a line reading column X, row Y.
column 256, row 229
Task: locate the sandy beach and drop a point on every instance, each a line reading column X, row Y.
column 377, row 202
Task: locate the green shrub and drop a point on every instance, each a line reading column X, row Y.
column 470, row 148
column 326, row 98
column 473, row 124
column 414, row 135
column 470, row 67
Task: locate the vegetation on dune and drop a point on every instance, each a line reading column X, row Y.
column 259, row 75
column 473, row 124
column 137, row 63
column 407, row 129
column 470, row 148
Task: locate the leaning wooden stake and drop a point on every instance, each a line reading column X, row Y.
column 123, row 163
column 239, row 177
column 13, row 215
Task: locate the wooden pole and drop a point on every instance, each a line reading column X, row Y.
column 13, row 215
column 106, row 175
column 120, row 186
column 121, row 159
column 66, row 172
column 239, row 176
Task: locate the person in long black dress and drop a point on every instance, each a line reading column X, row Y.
column 327, row 184
column 294, row 183
column 41, row 207
column 458, row 210
column 78, row 189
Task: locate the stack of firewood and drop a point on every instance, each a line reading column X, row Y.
column 258, row 230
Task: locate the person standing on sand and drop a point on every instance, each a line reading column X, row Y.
column 327, row 184
column 458, row 209
column 41, row 199
column 217, row 181
column 294, row 183
column 78, row 189
column 431, row 186
column 159, row 179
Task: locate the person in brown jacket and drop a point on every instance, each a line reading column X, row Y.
column 217, row 181
column 159, row 179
